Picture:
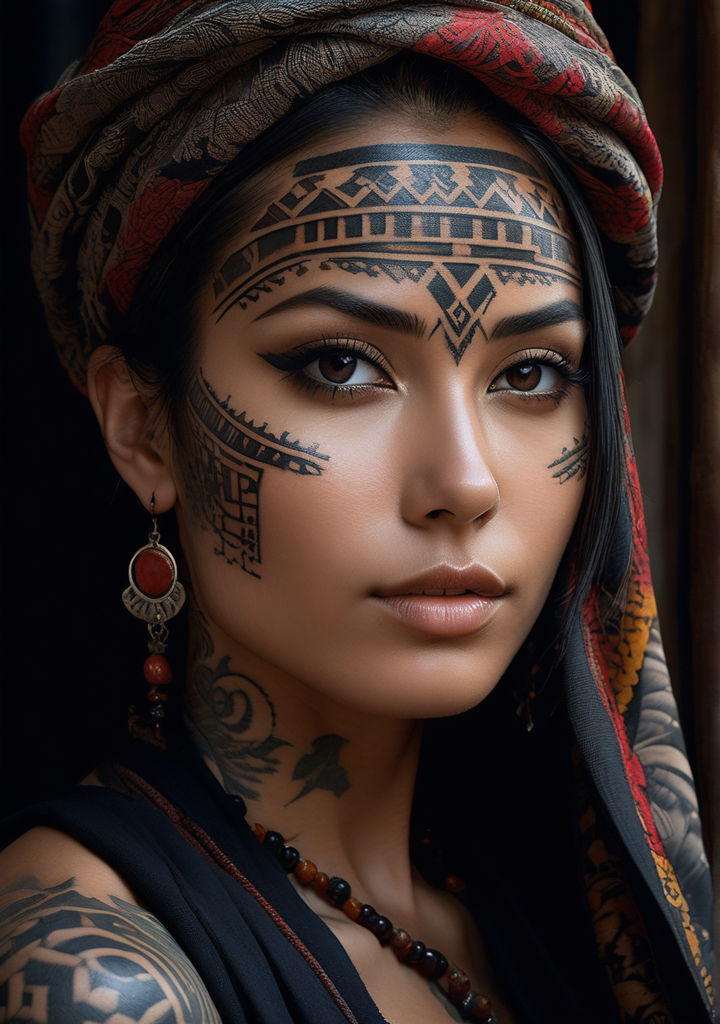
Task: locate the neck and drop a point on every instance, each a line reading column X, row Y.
column 335, row 782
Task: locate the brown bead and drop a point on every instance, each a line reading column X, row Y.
column 320, row 883
column 259, row 832
column 481, row 1008
column 157, row 670
column 458, row 984
column 351, row 908
column 155, row 697
column 305, row 871
column 453, row 884
column 400, row 943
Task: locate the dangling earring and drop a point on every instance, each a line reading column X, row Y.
column 154, row 595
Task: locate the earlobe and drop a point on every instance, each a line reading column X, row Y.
column 139, row 450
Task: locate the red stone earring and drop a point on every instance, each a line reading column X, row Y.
column 154, row 595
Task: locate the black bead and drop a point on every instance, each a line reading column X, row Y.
column 240, row 805
column 338, row 891
column 415, row 954
column 467, row 1005
column 428, row 964
column 288, row 857
column 273, row 841
column 441, row 965
column 367, row 915
column 382, row 929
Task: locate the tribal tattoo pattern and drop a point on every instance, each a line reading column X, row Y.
column 322, row 769
column 235, row 724
column 225, row 467
column 573, row 460
column 68, row 956
column 236, row 717
column 424, row 213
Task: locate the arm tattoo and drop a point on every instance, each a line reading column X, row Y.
column 572, row 461
column 322, row 768
column 225, row 466
column 236, row 719
column 424, row 213
column 65, row 956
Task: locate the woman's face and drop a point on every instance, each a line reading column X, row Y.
column 388, row 434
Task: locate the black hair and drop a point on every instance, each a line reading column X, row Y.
column 157, row 336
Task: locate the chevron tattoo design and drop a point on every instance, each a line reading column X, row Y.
column 223, row 472
column 424, row 213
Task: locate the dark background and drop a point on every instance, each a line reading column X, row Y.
column 70, row 526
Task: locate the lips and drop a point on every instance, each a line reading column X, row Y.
column 445, row 601
column 446, row 581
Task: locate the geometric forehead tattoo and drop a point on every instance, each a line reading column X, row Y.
column 423, row 213
column 225, row 467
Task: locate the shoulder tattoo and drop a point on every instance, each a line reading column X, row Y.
column 72, row 957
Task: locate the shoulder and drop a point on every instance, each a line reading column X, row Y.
column 73, row 940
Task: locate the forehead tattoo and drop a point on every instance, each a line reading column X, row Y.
column 421, row 213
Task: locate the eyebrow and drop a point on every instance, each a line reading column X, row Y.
column 547, row 316
column 355, row 306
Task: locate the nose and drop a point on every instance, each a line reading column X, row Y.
column 447, row 475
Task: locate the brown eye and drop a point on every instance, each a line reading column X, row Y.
column 340, row 368
column 532, row 377
column 524, row 377
column 337, row 367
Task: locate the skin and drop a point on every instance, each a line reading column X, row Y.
column 300, row 501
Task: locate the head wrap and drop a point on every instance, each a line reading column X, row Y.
column 169, row 93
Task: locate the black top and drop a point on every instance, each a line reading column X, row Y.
column 185, row 848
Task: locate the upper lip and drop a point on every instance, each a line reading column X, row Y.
column 444, row 580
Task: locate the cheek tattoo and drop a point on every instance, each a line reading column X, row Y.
column 572, row 461
column 422, row 213
column 225, row 466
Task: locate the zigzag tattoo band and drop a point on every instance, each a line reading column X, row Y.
column 426, row 213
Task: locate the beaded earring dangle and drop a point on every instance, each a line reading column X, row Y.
column 155, row 595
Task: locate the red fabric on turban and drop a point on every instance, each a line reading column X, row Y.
column 168, row 94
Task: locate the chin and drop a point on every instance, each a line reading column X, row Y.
column 430, row 685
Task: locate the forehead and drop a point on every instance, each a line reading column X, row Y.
column 401, row 203
column 461, row 221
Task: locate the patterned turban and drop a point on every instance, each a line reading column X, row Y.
column 169, row 93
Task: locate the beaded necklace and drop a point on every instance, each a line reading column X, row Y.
column 430, row 963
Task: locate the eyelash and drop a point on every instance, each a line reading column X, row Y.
column 295, row 362
column 556, row 361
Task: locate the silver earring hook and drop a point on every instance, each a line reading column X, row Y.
column 154, row 533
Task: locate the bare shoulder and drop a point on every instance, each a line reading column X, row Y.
column 75, row 944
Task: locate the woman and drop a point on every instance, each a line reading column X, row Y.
column 300, row 240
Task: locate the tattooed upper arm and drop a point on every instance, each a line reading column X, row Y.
column 65, row 955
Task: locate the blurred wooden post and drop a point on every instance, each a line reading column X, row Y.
column 705, row 462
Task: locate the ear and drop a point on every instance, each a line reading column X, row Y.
column 137, row 443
